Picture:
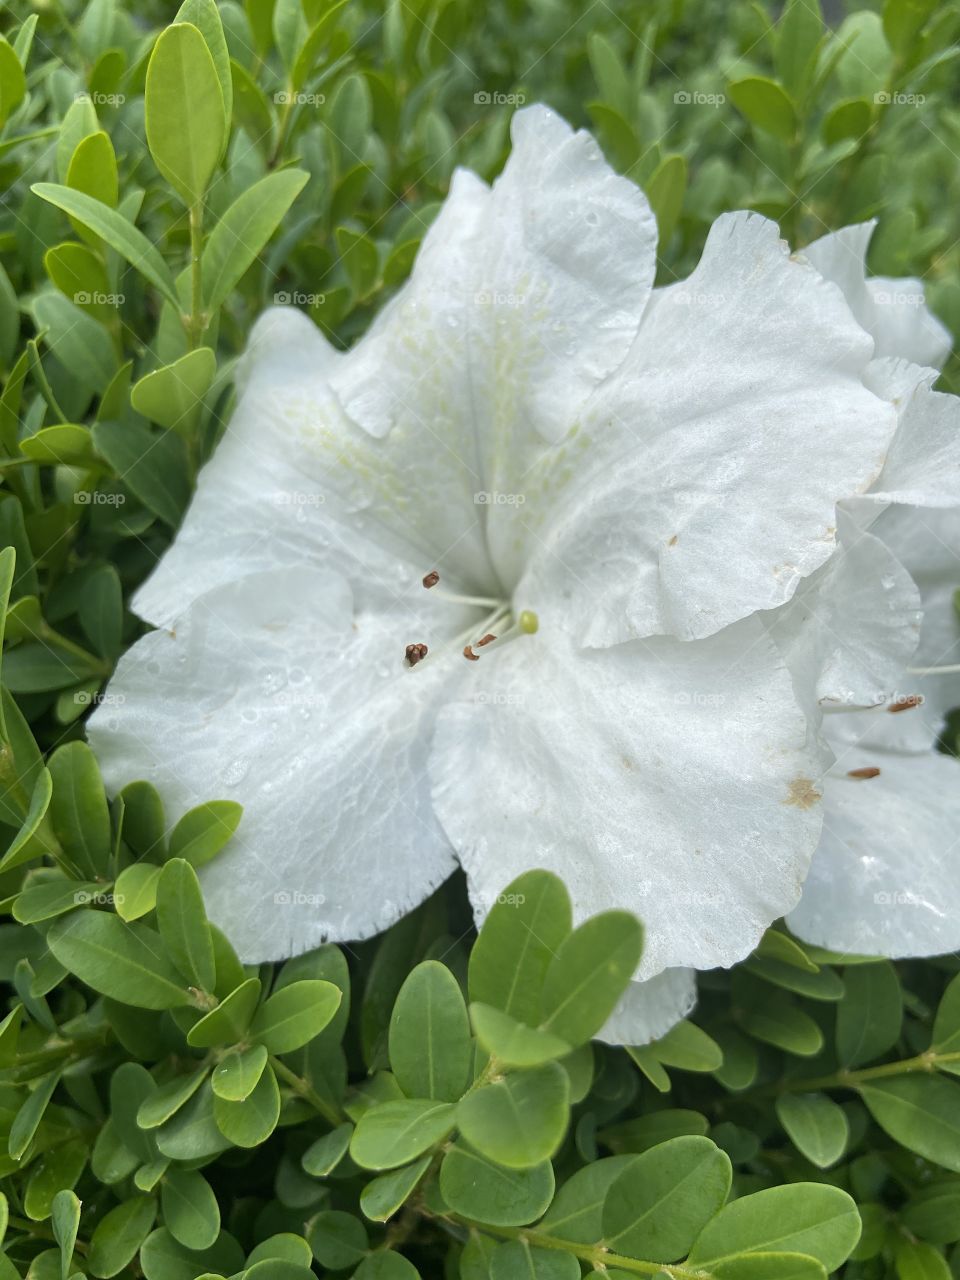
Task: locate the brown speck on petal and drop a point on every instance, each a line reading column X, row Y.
column 415, row 653
column 870, row 771
column 673, row 540
column 431, row 579
column 468, row 653
column 904, row 704
column 802, row 794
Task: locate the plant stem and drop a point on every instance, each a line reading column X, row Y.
column 306, row 1091
column 595, row 1254
column 197, row 320
column 929, row 1061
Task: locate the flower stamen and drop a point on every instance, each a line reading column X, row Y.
column 431, row 579
column 415, row 653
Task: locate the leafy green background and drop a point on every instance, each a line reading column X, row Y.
column 414, row 1104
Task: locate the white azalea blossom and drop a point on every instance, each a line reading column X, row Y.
column 658, row 502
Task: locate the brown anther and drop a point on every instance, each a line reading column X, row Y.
column 486, row 640
column 431, row 579
column 869, row 772
column 468, row 653
column 904, row 704
column 415, row 653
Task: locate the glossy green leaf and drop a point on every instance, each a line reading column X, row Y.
column 170, row 396
column 125, row 961
column 662, row 1200
column 588, row 975
column 816, row 1125
column 230, row 1020
column 185, row 114
column 431, row 1053
column 487, row 1192
column 295, row 1014
column 182, row 922
column 870, row 1014
column 513, row 1043
column 395, row 1133
column 250, row 1122
column 518, row 940
column 765, row 104
column 921, row 1112
column 383, row 1196
column 518, row 1121
column 236, row 1075
column 190, row 1209
column 119, row 1234
column 203, row 831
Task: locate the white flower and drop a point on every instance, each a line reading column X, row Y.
column 643, row 473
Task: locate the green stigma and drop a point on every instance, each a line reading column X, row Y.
column 528, row 622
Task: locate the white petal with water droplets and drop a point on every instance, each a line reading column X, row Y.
column 276, row 692
column 647, row 1010
column 702, row 481
column 673, row 780
column 893, row 312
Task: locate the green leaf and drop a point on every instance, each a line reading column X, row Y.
column 395, row 1133
column 383, row 1196
column 230, row 1020
column 770, row 1266
column 101, row 609
column 640, row 1133
column 360, row 260
column 918, row 1261
column 119, row 1234
column 185, row 116
column 53, row 898
column 388, row 1266
column 933, row 1213
column 663, row 1199
column 152, row 464
column 512, row 1043
column 689, row 1048
column 182, row 922
column 250, row 1122
column 486, row 1192
column 157, row 1109
column 240, row 235
column 430, row 1048
column 202, row 832
column 13, row 82
column 205, row 16
column 75, row 340
column 124, row 961
column 190, row 1209
column 27, row 1119
column 518, row 1121
column 870, row 1014
column 946, row 1026
column 921, row 1112
column 26, row 843
column 65, row 1222
column 295, row 1014
column 163, row 1258
column 799, row 33
column 516, row 1258
column 135, row 892
column 766, row 105
column 804, row 1217
column 816, row 1125
column 519, row 938
column 10, row 1035
column 849, row 119
column 665, row 189
column 338, row 1239
column 588, row 975
column 235, row 1076
column 117, row 231
column 323, row 1156
column 783, row 1024
column 170, row 396
column 576, row 1213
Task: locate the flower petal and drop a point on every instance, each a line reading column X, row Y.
column 702, row 482
column 923, row 465
column 514, row 315
column 277, row 692
column 295, row 481
column 886, row 877
column 893, row 312
column 647, row 1010
column 672, row 780
column 852, row 626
